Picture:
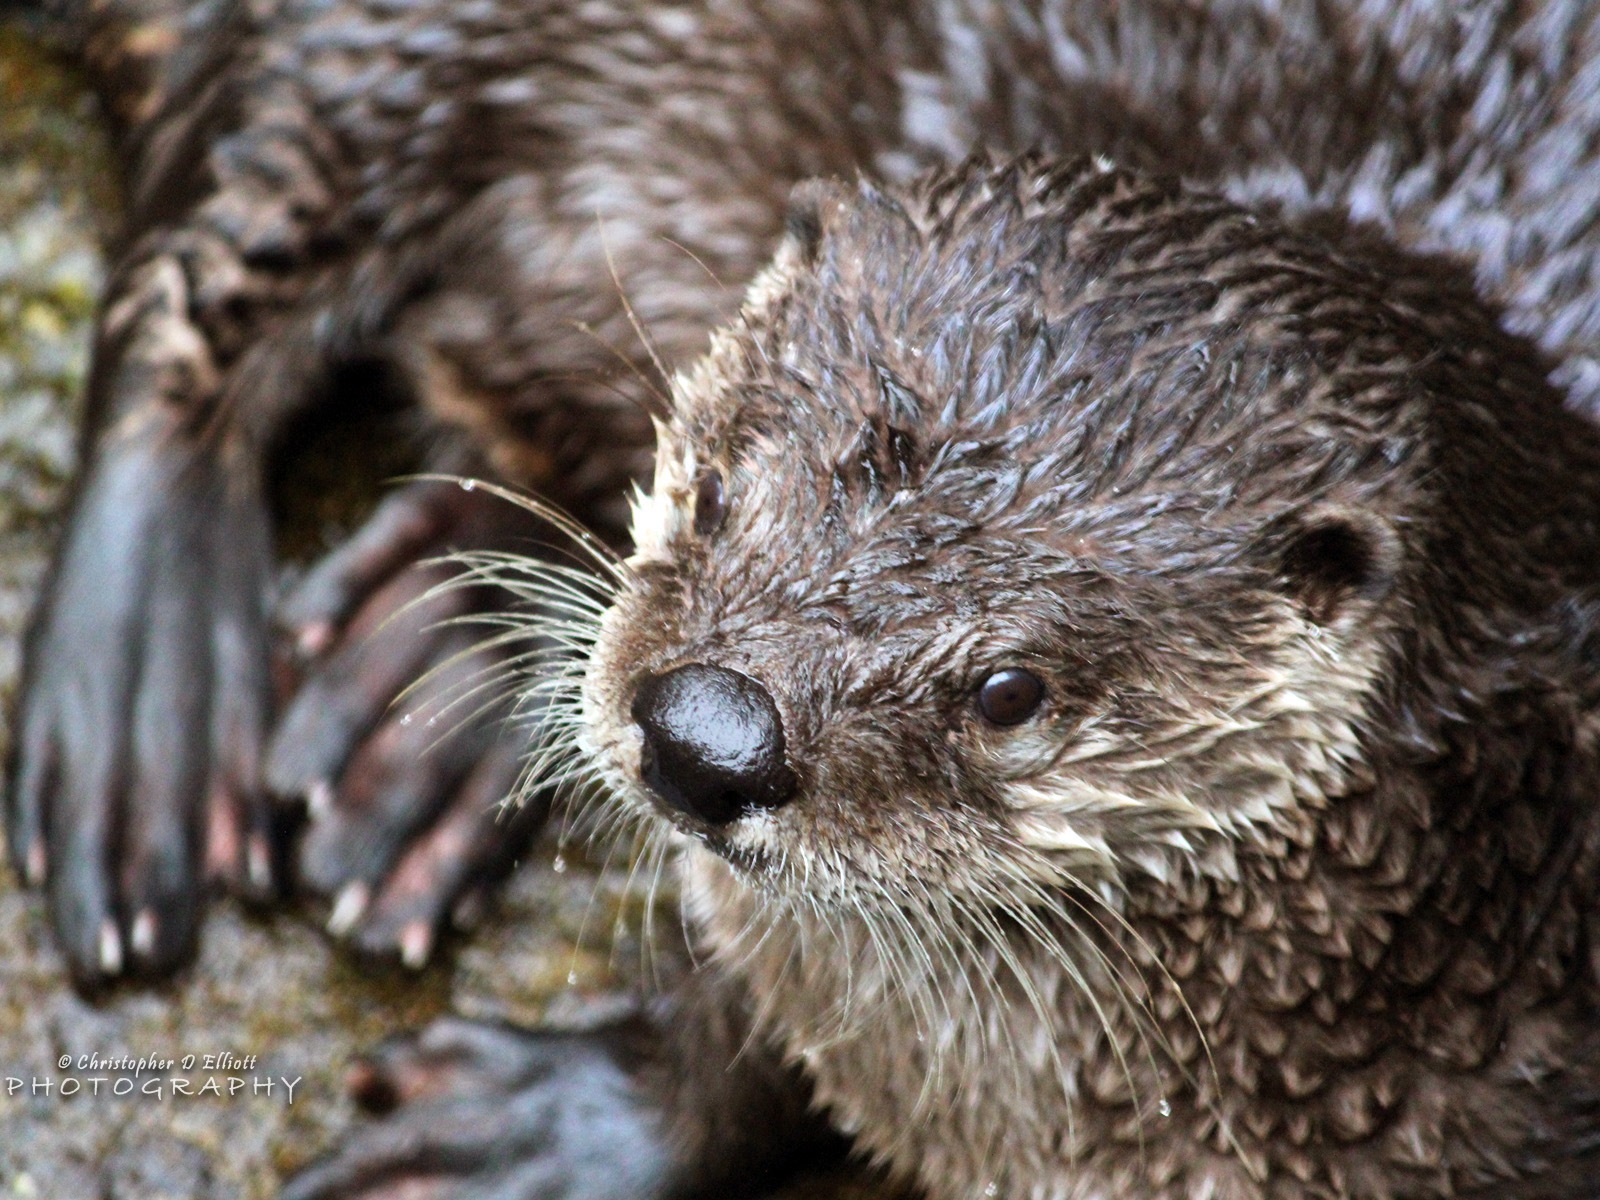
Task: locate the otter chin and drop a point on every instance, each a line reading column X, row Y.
column 1123, row 665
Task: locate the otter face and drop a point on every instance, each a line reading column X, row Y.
column 1023, row 531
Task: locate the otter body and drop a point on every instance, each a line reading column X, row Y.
column 1278, row 882
column 1119, row 650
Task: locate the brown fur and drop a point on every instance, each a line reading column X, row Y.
column 461, row 184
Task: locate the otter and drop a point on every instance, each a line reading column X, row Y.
column 1160, row 762
column 1109, row 634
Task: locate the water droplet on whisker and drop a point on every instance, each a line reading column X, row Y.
column 1164, row 1108
column 469, row 485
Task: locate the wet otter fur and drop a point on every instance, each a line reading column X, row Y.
column 1275, row 881
column 1285, row 888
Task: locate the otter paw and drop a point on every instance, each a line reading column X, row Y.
column 394, row 737
column 135, row 771
column 474, row 1111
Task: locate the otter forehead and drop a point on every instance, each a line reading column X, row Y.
column 1017, row 374
column 1024, row 341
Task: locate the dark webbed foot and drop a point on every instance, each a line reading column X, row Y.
column 135, row 768
column 395, row 738
column 679, row 1101
column 474, row 1111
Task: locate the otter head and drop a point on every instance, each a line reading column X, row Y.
column 1037, row 523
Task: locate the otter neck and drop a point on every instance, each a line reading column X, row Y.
column 1327, row 1016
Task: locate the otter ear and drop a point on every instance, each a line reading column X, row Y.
column 803, row 223
column 1330, row 557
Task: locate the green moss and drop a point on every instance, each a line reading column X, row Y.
column 57, row 199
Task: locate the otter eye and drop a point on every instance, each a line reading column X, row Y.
column 1010, row 696
column 710, row 503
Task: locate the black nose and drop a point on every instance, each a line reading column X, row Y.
column 713, row 742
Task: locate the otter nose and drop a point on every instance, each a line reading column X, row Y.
column 713, row 742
